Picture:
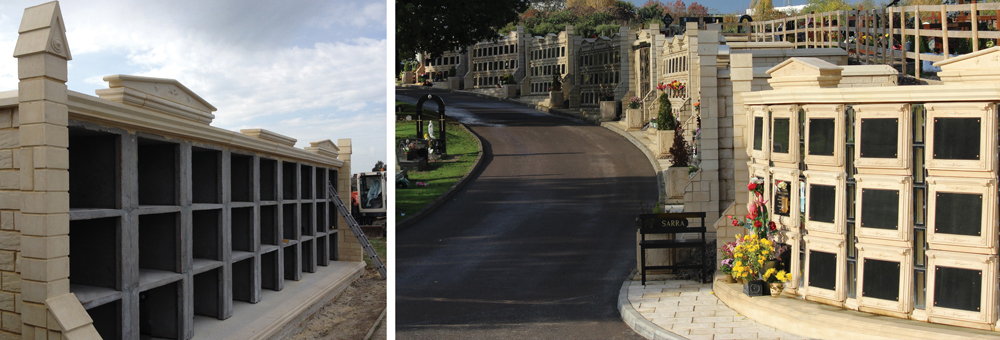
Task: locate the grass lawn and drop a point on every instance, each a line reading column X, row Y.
column 439, row 175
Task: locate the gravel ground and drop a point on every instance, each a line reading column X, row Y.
column 352, row 314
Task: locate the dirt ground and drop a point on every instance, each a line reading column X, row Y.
column 352, row 314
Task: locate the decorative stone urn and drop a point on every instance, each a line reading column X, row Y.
column 454, row 83
column 509, row 91
column 633, row 119
column 776, row 288
column 408, row 77
column 608, row 109
column 555, row 99
column 664, row 140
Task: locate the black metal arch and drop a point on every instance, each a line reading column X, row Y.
column 441, row 117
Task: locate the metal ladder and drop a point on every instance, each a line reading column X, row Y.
column 362, row 239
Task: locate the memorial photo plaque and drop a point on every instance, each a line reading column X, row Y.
column 958, row 288
column 881, row 280
column 879, row 209
column 821, row 132
column 957, row 213
column 822, row 202
column 956, row 138
column 782, row 198
column 823, row 270
column 879, row 137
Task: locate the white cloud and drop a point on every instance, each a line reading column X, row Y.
column 256, row 61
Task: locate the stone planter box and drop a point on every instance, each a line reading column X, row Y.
column 509, row 91
column 408, row 77
column 676, row 179
column 555, row 99
column 453, row 83
column 608, row 110
column 633, row 119
column 664, row 140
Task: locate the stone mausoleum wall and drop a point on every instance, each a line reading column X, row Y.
column 891, row 206
column 127, row 214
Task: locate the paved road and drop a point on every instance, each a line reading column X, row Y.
column 537, row 244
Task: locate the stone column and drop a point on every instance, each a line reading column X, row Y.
column 741, row 65
column 47, row 308
column 348, row 247
column 708, row 49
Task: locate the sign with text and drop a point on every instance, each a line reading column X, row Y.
column 666, row 220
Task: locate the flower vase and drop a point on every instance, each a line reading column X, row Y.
column 776, row 288
column 729, row 279
column 776, row 264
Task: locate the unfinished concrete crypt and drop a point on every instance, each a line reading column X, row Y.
column 127, row 215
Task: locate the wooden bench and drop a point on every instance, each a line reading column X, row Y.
column 672, row 224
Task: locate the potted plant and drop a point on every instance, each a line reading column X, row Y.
column 748, row 260
column 453, row 81
column 776, row 280
column 555, row 92
column 665, row 125
column 633, row 116
column 609, row 108
column 676, row 89
column 727, row 260
column 509, row 86
column 680, row 157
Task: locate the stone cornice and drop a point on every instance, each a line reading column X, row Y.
column 871, row 95
column 134, row 97
column 88, row 108
column 269, row 136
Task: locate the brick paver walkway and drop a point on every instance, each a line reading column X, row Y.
column 691, row 310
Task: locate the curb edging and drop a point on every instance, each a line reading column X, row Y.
column 635, row 321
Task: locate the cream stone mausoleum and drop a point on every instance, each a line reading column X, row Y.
column 127, row 215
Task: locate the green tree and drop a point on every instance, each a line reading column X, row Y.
column 437, row 26
column 820, row 6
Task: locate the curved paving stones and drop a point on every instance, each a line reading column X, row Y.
column 691, row 310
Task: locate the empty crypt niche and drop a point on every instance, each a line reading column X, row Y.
column 158, row 172
column 961, row 137
column 268, row 180
column 308, row 256
column 159, row 311
column 95, row 167
column 306, row 178
column 208, row 293
column 785, row 134
column 322, row 251
column 95, row 262
column 206, row 165
column 107, row 319
column 241, row 178
column 321, row 183
column 322, row 226
column 243, row 281
column 289, row 173
column 962, row 215
column 159, row 246
column 306, row 219
column 269, row 235
column 334, row 248
column 332, row 213
column 242, row 234
column 882, row 135
column 292, row 269
column 780, row 139
column 289, row 223
column 269, row 271
column 206, row 243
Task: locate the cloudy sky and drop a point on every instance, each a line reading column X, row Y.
column 308, row 69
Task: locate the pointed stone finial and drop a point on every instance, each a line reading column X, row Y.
column 42, row 30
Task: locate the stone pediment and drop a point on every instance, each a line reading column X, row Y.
column 42, row 30
column 804, row 72
column 982, row 66
column 158, row 94
column 324, row 147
